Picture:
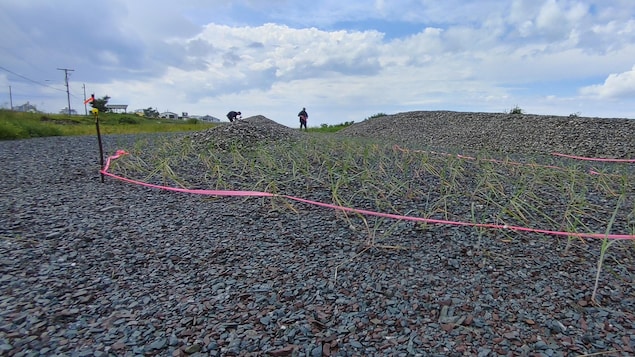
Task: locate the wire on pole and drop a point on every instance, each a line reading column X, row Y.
column 68, row 92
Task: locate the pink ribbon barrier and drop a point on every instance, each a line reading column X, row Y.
column 176, row 189
column 459, row 156
column 592, row 158
column 120, row 153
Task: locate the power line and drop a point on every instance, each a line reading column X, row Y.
column 68, row 92
column 30, row 80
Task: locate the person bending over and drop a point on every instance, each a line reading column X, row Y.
column 233, row 115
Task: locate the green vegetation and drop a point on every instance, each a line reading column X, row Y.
column 100, row 104
column 23, row 125
column 376, row 176
column 378, row 115
column 516, row 110
column 325, row 128
column 16, row 125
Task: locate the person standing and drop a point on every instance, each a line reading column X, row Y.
column 303, row 118
column 233, row 115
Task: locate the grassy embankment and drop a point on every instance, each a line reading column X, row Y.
column 15, row 125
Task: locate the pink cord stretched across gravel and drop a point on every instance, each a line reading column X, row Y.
column 593, row 158
column 120, row 153
column 507, row 162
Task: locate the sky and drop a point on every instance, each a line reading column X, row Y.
column 342, row 60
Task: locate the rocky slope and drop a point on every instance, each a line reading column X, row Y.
column 504, row 133
column 115, row 269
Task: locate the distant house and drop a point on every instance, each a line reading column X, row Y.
column 209, row 118
column 168, row 115
column 65, row 111
column 27, row 107
column 117, row 108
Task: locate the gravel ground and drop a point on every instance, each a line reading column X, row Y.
column 97, row 269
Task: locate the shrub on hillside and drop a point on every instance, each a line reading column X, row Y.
column 516, row 110
column 377, row 115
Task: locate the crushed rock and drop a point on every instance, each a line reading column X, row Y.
column 471, row 132
column 244, row 133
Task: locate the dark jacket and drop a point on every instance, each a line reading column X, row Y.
column 233, row 115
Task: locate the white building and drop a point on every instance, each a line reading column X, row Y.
column 168, row 115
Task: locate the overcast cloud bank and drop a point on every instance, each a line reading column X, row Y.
column 343, row 61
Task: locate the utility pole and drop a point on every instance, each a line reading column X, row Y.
column 10, row 98
column 85, row 108
column 68, row 92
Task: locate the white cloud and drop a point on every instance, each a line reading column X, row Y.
column 289, row 53
column 206, row 56
column 616, row 86
column 550, row 16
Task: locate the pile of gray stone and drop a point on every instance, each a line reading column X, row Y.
column 245, row 133
column 503, row 133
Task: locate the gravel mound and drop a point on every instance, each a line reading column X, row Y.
column 503, row 133
column 243, row 133
column 114, row 269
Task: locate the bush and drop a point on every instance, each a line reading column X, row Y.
column 326, row 128
column 192, row 121
column 378, row 115
column 516, row 110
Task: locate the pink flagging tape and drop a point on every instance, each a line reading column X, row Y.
column 593, row 158
column 514, row 163
column 360, row 211
column 458, row 223
column 176, row 189
column 459, row 156
column 518, row 163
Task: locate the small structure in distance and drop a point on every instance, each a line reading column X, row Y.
column 168, row 115
column 117, row 108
